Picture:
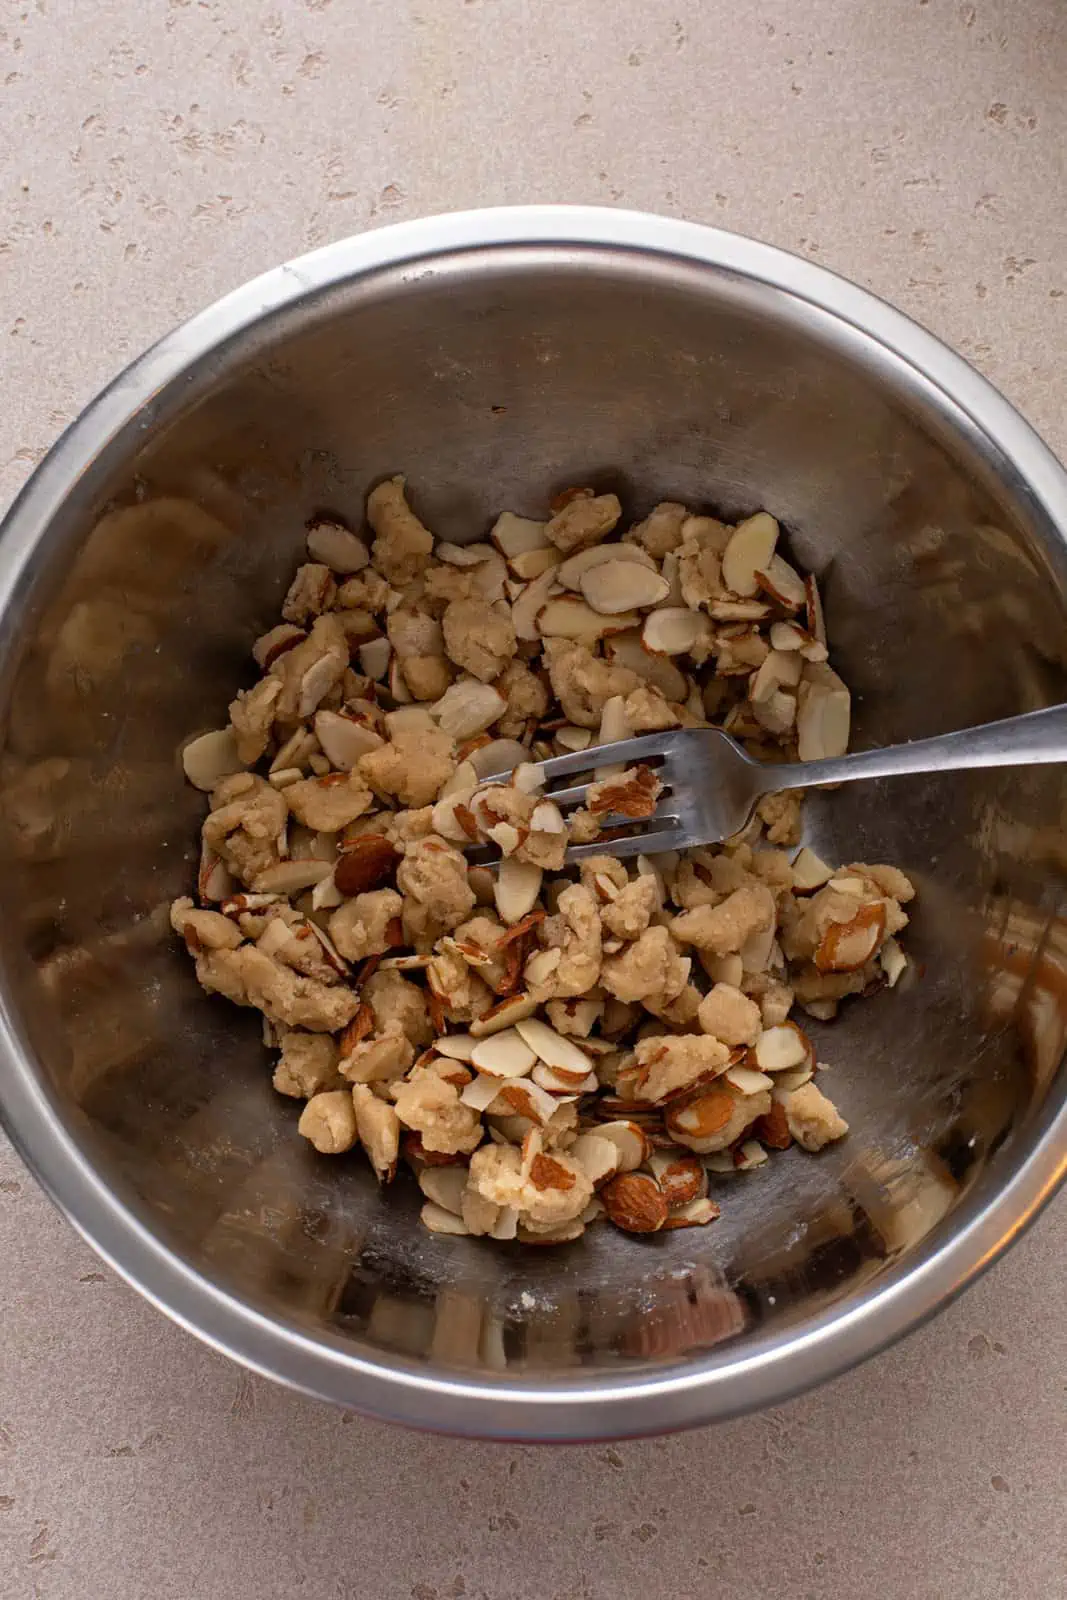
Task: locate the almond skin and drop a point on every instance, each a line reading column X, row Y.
column 367, row 862
column 635, row 1202
column 773, row 1129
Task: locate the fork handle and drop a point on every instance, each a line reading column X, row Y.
column 1034, row 739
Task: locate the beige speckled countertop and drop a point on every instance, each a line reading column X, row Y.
column 156, row 154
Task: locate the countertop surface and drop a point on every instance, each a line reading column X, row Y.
column 157, row 154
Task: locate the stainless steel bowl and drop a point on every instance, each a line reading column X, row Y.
column 493, row 357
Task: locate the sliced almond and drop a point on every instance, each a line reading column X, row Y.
column 505, row 1014
column 571, row 740
column 738, row 611
column 573, row 570
column 810, row 871
column 546, row 817
column 445, row 1186
column 210, row 758
column 291, row 877
column 506, row 836
column 599, row 1158
column 750, row 1155
column 374, row 658
column 823, row 714
column 553, row 1048
column 563, row 1082
column 498, row 756
column 815, row 619
column 453, row 820
column 781, row 1048
column 721, row 1162
column 627, row 650
column 468, row 708
column 506, row 1226
column 480, row 1093
column 336, row 548
column 748, row 1080
column 675, row 631
column 788, row 636
column 525, row 611
column 846, row 946
column 326, row 896
column 614, row 587
column 514, row 536
column 541, row 966
column 724, row 969
column 343, row 739
column 629, row 1139
column 749, row 551
column 457, row 1046
column 784, row 586
column 567, row 617
column 796, row 1077
column 518, row 885
column 679, row 1174
column 635, row 1202
column 275, row 642
column 702, row 1116
column 522, row 1098
column 438, row 1220
column 780, row 670
column 894, row 962
column 504, row 1055
column 295, row 751
column 534, row 564
column 398, row 686
column 694, row 1214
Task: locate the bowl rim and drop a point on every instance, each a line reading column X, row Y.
column 631, row 1401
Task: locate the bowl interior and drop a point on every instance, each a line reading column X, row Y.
column 493, row 379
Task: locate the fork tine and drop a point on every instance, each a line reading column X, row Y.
column 633, row 844
column 622, row 753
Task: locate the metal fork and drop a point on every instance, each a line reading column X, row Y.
column 710, row 786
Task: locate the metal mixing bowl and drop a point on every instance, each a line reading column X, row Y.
column 496, row 357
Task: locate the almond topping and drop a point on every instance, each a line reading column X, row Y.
column 749, row 551
column 211, row 758
column 674, row 631
column 518, row 884
column 573, row 570
column 635, row 1202
column 613, row 587
column 782, row 1047
column 366, row 862
column 504, row 1055
column 337, row 548
column 846, row 946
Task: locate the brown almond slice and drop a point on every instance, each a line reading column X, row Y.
column 702, row 1115
column 847, row 946
column 571, row 739
column 772, row 1129
column 343, row 739
column 210, row 758
column 522, row 1098
column 336, row 547
column 782, row 584
column 627, row 650
column 679, row 1174
column 374, row 658
column 438, row 1220
column 781, row 1048
column 616, row 587
column 695, row 1214
column 498, row 756
column 750, row 1156
column 747, row 1079
column 599, row 1158
column 445, row 1186
column 894, row 962
column 815, row 619
column 810, row 871
column 514, row 1009
column 674, row 631
column 823, row 714
column 515, row 536
column 749, row 551
column 527, row 607
column 738, row 611
column 788, row 636
column 468, row 708
column 629, row 1138
column 366, row 862
column 635, row 1202
column 275, row 642
column 567, row 617
column 780, row 669
column 291, row 877
column 457, row 1046
column 574, row 568
column 518, row 885
column 532, row 564
column 503, row 1055
column 480, row 1093
column 554, row 1049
